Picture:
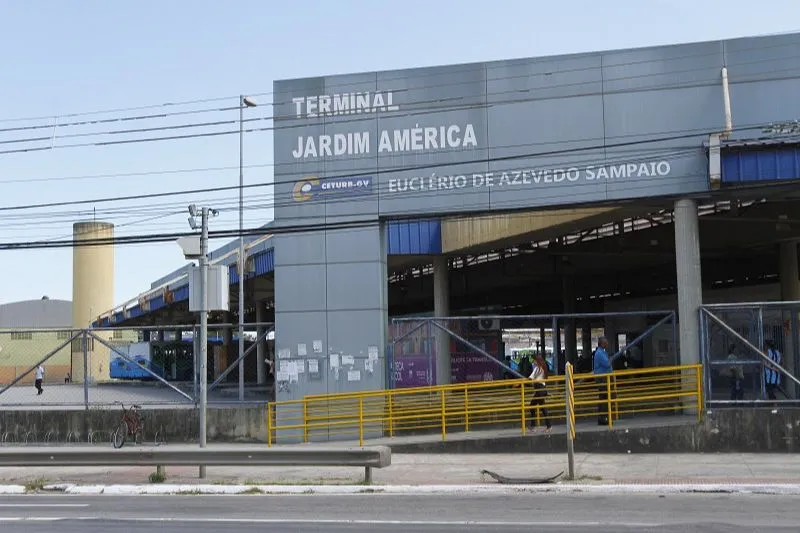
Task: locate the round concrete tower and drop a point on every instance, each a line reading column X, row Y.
column 92, row 293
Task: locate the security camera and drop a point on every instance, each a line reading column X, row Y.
column 193, row 210
column 192, row 223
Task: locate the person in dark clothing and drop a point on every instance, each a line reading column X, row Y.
column 772, row 376
column 525, row 366
column 539, row 376
column 601, row 365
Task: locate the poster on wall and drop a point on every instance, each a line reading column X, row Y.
column 468, row 366
column 414, row 356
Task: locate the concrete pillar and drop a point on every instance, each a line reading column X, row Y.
column 195, row 357
column 226, row 355
column 146, row 335
column 542, row 342
column 690, row 287
column 261, row 347
column 441, row 308
column 586, row 340
column 570, row 329
column 790, row 292
column 610, row 333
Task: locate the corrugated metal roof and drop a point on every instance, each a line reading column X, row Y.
column 770, row 162
column 762, row 142
column 414, row 237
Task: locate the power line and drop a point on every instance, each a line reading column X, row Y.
column 263, row 231
column 386, row 76
column 212, row 134
column 407, row 107
column 638, row 142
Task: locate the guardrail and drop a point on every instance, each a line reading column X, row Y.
column 368, row 458
column 494, row 404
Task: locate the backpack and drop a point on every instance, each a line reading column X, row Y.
column 525, row 366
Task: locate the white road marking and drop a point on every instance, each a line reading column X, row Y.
column 453, row 523
column 43, row 505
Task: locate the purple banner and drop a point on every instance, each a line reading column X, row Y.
column 413, row 371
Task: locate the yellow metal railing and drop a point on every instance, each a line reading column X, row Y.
column 570, row 396
column 504, row 404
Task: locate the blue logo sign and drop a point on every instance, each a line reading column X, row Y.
column 312, row 187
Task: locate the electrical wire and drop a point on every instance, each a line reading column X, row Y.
column 258, row 231
column 527, row 89
column 487, row 66
column 417, row 108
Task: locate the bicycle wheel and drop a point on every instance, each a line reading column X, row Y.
column 119, row 436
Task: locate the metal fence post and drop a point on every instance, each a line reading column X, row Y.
column 85, row 347
column 360, row 420
column 269, row 424
column 570, row 408
column 699, row 377
column 522, row 406
column 608, row 398
column 444, row 413
column 466, row 408
column 391, row 414
column 305, row 421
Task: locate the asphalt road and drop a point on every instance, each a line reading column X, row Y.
column 545, row 513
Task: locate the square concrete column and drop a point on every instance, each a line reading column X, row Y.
column 690, row 287
column 570, row 326
column 790, row 292
column 586, row 340
column 441, row 308
column 610, row 332
column 226, row 356
column 196, row 358
column 542, row 342
column 261, row 347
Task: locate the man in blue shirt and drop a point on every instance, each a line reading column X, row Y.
column 601, row 365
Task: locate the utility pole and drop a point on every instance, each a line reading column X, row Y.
column 244, row 101
column 203, row 331
column 194, row 248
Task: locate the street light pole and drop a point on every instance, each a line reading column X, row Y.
column 203, row 330
column 244, row 101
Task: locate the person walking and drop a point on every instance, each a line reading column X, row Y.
column 772, row 376
column 601, row 365
column 39, row 379
column 736, row 376
column 539, row 376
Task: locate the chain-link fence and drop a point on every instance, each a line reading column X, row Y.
column 489, row 348
column 751, row 352
column 150, row 367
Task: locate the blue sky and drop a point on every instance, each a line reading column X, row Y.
column 90, row 56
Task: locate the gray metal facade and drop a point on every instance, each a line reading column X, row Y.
column 526, row 133
column 44, row 313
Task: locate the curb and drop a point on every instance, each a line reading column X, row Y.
column 167, row 489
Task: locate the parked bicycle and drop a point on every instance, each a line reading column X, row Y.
column 130, row 424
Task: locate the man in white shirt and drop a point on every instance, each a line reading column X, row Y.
column 39, row 379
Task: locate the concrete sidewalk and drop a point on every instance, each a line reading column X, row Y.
column 458, row 469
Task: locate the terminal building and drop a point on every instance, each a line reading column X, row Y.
column 607, row 186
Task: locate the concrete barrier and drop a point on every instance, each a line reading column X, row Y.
column 723, row 430
column 227, row 424
column 748, row 430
